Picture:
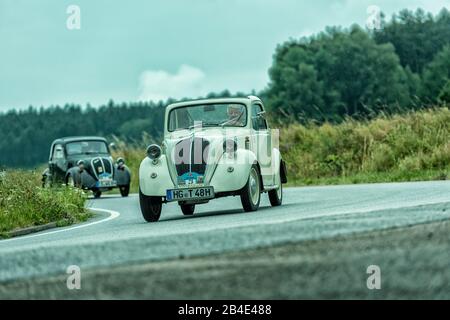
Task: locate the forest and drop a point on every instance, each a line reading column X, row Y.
column 339, row 74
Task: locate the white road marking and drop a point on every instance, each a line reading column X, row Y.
column 112, row 215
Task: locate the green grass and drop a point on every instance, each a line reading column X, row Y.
column 24, row 203
column 373, row 177
column 409, row 147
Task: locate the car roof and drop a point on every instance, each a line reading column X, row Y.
column 243, row 100
column 80, row 138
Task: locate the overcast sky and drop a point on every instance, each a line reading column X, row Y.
column 147, row 49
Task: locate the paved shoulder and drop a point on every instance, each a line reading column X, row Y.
column 221, row 226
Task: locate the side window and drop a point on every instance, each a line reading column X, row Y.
column 58, row 152
column 258, row 122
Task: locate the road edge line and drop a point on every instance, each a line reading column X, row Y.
column 112, row 215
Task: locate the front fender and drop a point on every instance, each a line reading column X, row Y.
column 225, row 181
column 122, row 176
column 83, row 180
column 154, row 179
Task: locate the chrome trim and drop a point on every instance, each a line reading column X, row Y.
column 93, row 168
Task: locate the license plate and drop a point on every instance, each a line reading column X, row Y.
column 190, row 194
column 106, row 183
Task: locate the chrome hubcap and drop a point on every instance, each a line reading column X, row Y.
column 254, row 186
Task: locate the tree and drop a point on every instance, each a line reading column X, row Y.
column 444, row 95
column 334, row 74
column 436, row 75
column 416, row 36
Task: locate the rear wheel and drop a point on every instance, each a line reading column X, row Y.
column 46, row 183
column 276, row 195
column 150, row 207
column 251, row 193
column 124, row 190
column 187, row 209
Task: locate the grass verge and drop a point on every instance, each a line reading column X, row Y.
column 24, row 203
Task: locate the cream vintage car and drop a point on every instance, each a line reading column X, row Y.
column 212, row 148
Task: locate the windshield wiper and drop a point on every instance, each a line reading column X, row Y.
column 204, row 124
column 211, row 124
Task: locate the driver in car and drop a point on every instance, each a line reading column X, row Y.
column 235, row 115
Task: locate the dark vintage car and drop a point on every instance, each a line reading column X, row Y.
column 86, row 162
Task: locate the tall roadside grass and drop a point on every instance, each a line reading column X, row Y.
column 24, row 203
column 413, row 146
column 407, row 147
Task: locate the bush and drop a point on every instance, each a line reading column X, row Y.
column 24, row 203
column 384, row 149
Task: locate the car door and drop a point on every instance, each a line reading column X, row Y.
column 57, row 163
column 262, row 142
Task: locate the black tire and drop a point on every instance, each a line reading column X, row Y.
column 187, row 209
column 150, row 207
column 97, row 194
column 249, row 202
column 276, row 196
column 124, row 190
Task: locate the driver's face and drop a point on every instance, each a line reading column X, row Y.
column 234, row 113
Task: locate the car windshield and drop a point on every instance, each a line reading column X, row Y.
column 86, row 147
column 208, row 115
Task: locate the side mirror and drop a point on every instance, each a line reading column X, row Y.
column 112, row 146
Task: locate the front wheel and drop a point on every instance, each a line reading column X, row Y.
column 187, row 209
column 251, row 193
column 97, row 194
column 150, row 207
column 124, row 190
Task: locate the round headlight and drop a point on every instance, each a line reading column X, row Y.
column 120, row 161
column 154, row 151
column 229, row 146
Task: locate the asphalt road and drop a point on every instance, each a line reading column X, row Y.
column 118, row 235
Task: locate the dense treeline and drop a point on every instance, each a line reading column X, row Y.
column 27, row 135
column 339, row 73
column 327, row 77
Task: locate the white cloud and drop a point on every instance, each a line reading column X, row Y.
column 158, row 85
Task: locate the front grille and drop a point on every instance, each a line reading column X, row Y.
column 191, row 156
column 101, row 166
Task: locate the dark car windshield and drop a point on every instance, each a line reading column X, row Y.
column 86, row 147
